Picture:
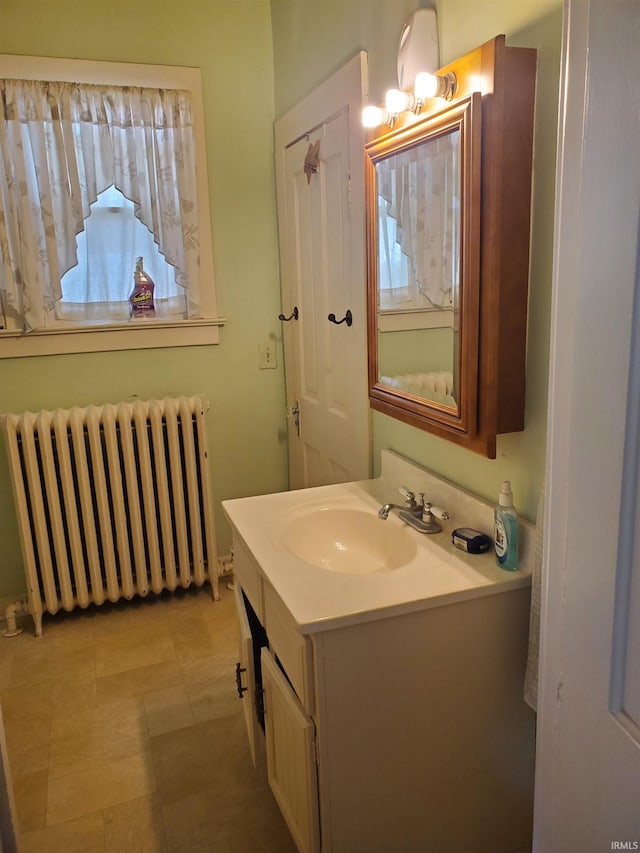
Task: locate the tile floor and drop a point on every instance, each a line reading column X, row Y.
column 125, row 733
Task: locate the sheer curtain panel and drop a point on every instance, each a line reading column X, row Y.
column 61, row 145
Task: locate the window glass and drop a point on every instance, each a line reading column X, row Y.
column 101, row 283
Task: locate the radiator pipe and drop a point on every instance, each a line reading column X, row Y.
column 16, row 608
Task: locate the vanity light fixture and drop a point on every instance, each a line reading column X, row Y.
column 375, row 116
column 397, row 101
column 434, row 86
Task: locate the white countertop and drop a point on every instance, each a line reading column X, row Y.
column 438, row 573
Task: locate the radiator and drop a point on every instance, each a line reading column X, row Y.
column 112, row 501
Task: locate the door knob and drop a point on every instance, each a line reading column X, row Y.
column 348, row 318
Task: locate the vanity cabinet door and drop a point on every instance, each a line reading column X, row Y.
column 246, row 682
column 291, row 766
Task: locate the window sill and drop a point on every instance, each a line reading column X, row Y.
column 143, row 334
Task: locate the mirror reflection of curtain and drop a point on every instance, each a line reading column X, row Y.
column 419, row 225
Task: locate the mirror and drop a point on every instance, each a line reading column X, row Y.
column 423, row 235
column 448, row 199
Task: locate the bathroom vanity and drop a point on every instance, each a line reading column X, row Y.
column 381, row 670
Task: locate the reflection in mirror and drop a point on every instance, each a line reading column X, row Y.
column 418, row 200
column 423, row 205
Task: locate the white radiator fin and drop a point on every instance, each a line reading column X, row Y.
column 112, row 501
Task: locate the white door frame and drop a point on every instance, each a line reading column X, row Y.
column 587, row 795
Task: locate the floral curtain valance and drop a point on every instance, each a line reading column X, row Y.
column 419, row 191
column 61, row 145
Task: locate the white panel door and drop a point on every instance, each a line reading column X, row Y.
column 588, row 756
column 322, row 254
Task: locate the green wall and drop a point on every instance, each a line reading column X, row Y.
column 257, row 61
column 231, row 42
column 312, row 38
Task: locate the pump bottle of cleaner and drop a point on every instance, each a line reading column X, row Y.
column 506, row 530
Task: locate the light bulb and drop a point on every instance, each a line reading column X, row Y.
column 396, row 101
column 374, row 116
column 434, row 86
column 426, row 85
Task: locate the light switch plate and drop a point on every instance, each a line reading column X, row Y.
column 267, row 356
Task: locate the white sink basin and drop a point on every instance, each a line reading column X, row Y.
column 352, row 541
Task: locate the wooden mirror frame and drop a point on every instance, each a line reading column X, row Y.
column 504, row 77
column 462, row 116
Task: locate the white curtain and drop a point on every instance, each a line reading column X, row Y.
column 419, row 213
column 61, row 145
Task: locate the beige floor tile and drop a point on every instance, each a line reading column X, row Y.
column 135, row 827
column 242, row 777
column 30, row 793
column 200, row 823
column 48, row 661
column 7, row 652
column 87, row 785
column 127, row 733
column 272, row 836
column 83, row 835
column 191, row 637
column 188, row 760
column 28, row 749
column 113, row 618
column 137, row 682
column 29, row 706
column 210, row 684
column 69, row 630
column 75, row 692
column 220, row 616
column 27, row 718
column 195, row 824
column 97, row 733
column 167, row 710
column 137, row 647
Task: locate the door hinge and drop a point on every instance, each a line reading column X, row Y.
column 349, row 191
column 314, row 747
column 294, row 412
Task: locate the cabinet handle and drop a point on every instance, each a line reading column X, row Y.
column 348, row 319
column 239, row 670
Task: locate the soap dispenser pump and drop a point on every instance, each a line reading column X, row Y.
column 506, row 530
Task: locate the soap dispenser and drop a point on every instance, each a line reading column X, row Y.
column 506, row 529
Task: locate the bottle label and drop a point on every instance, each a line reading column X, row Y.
column 501, row 540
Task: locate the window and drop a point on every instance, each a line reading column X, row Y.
column 98, row 288
column 96, row 174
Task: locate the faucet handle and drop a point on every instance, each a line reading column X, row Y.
column 440, row 513
column 409, row 496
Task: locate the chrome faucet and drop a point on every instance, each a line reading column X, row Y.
column 418, row 514
column 411, row 505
